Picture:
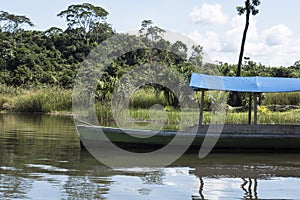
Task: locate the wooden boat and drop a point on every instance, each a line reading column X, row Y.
column 247, row 137
column 233, row 136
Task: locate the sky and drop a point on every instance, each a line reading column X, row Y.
column 273, row 38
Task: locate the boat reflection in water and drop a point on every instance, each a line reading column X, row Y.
column 217, row 176
column 248, row 176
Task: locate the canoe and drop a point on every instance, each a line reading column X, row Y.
column 233, row 137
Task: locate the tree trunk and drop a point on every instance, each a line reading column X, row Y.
column 248, row 10
column 239, row 68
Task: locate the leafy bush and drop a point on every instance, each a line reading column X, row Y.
column 292, row 98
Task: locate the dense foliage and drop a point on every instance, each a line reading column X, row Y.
column 30, row 58
column 52, row 56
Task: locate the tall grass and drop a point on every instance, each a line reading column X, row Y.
column 146, row 97
column 288, row 117
column 175, row 118
column 10, row 91
column 166, row 120
column 47, row 99
column 104, row 114
column 152, row 119
column 50, row 99
column 291, row 98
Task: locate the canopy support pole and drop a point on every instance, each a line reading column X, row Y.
column 201, row 110
column 255, row 108
column 250, row 108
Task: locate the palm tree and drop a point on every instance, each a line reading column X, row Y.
column 248, row 8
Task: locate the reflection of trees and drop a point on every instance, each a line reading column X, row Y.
column 13, row 186
column 201, row 188
column 249, row 192
column 91, row 180
column 34, row 139
column 200, row 191
column 42, row 148
column 249, row 186
column 155, row 177
column 86, row 187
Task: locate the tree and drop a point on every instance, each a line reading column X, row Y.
column 53, row 31
column 150, row 31
column 249, row 8
column 296, row 65
column 11, row 23
column 179, row 52
column 87, row 18
column 84, row 16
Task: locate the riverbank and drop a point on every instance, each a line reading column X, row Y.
column 58, row 101
column 45, row 99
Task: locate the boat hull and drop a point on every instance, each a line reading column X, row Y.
column 232, row 137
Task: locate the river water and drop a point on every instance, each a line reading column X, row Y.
column 41, row 158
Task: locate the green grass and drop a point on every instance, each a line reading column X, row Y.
column 54, row 99
column 171, row 120
column 10, row 91
column 47, row 99
column 264, row 116
column 288, row 98
column 146, row 97
column 104, row 114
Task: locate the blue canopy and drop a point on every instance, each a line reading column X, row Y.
column 244, row 84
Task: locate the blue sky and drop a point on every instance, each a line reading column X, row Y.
column 273, row 38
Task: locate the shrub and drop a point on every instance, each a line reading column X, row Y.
column 292, row 98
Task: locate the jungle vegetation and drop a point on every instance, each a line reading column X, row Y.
column 42, row 64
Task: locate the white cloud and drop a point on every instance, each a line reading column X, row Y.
column 284, row 54
column 232, row 38
column 275, row 46
column 208, row 14
column 210, row 40
column 277, row 35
